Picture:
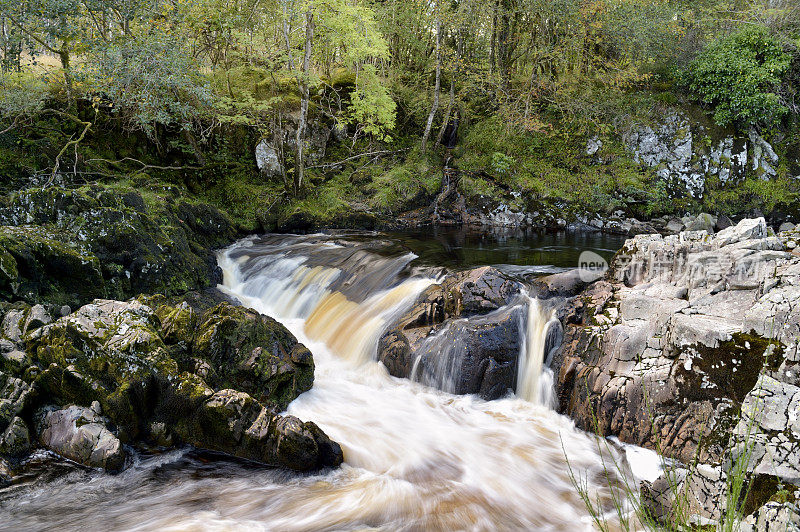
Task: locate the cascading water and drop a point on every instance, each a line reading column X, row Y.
column 416, row 458
column 542, row 333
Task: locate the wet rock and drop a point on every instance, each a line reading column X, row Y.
column 81, row 434
column 69, row 246
column 5, row 473
column 16, row 439
column 565, row 284
column 481, row 290
column 15, row 396
column 135, row 364
column 233, row 422
column 253, row 353
column 473, row 356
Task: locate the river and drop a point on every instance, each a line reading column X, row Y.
column 416, row 458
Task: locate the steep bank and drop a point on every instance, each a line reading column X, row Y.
column 689, row 346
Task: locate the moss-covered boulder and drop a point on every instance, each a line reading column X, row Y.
column 253, row 353
column 73, row 245
column 38, row 263
column 165, row 374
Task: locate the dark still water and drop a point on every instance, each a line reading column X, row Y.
column 464, row 248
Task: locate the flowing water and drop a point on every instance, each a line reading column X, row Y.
column 416, row 457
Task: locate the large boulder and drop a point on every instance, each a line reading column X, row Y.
column 461, row 335
column 81, row 434
column 73, row 245
column 253, row 353
column 476, row 355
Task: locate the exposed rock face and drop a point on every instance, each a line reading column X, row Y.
column 686, row 152
column 461, row 335
column 686, row 332
column 267, row 152
column 253, row 353
column 71, row 246
column 216, row 378
column 81, row 434
column 680, row 311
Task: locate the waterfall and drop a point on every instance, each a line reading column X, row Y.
column 416, row 458
column 541, row 334
column 346, row 304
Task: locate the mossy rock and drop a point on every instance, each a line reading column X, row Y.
column 254, row 353
column 39, row 264
column 106, row 242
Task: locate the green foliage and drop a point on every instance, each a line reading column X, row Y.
column 371, row 107
column 739, row 77
column 171, row 93
column 392, row 190
column 502, row 163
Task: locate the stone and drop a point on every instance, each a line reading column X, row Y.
column 786, row 226
column 477, row 355
column 134, row 364
column 747, row 229
column 565, row 284
column 723, row 222
column 37, row 317
column 15, row 396
column 703, row 222
column 16, row 440
column 267, row 159
column 69, row 246
column 13, row 325
column 79, row 434
column 674, row 226
column 593, row 145
column 773, row 517
column 253, row 353
column 693, row 319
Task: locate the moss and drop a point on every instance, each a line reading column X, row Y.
column 762, row 489
column 253, row 353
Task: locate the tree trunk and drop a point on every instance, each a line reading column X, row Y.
column 437, row 85
column 304, row 95
column 65, row 66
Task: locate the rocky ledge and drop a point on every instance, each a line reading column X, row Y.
column 158, row 373
column 689, row 345
column 69, row 246
column 463, row 335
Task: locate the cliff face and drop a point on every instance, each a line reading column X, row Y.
column 692, row 154
column 690, row 346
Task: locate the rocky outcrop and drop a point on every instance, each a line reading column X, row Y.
column 462, row 335
column 689, row 343
column 687, row 152
column 160, row 373
column 268, row 151
column 69, row 246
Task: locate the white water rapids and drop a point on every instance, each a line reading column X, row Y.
column 415, row 458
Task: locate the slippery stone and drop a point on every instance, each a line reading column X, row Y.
column 81, row 434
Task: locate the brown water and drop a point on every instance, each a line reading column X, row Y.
column 416, row 458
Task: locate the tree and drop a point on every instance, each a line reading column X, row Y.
column 739, row 75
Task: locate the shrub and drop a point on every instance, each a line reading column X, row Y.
column 739, row 76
